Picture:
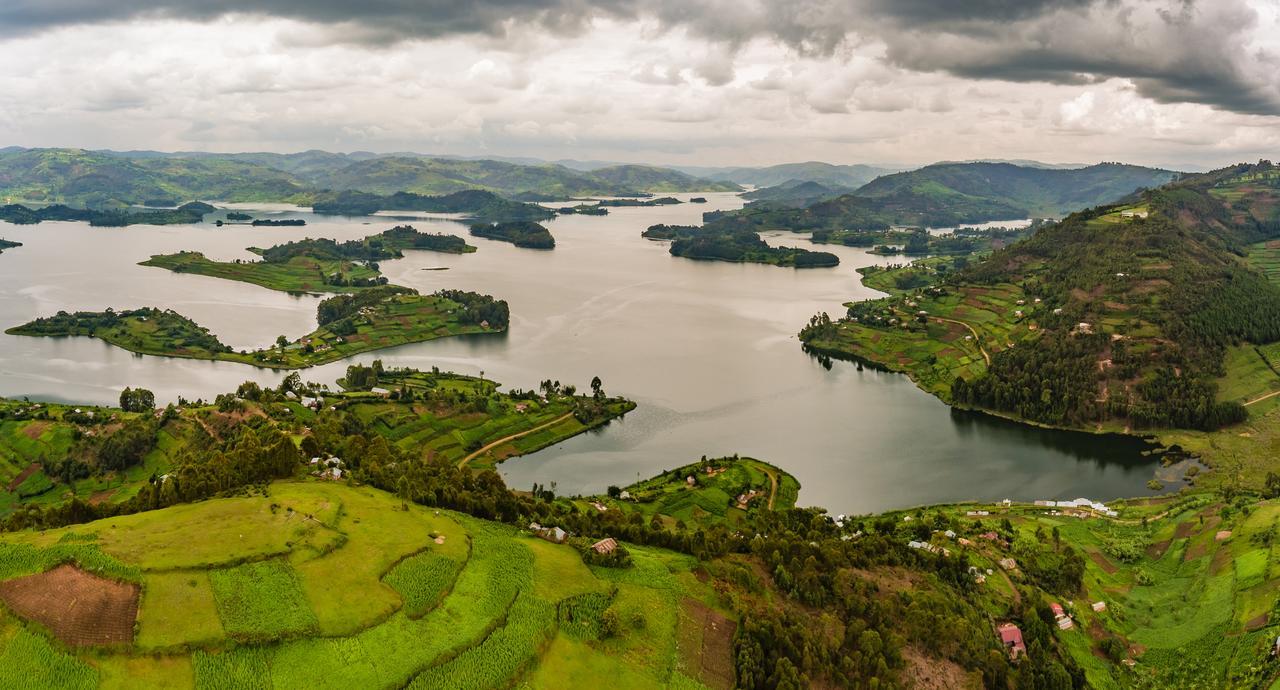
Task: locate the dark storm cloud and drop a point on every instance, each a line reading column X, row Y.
column 1173, row 50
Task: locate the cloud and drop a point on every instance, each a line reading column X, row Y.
column 1173, row 51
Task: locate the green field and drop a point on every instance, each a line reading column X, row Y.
column 298, row 274
column 457, row 602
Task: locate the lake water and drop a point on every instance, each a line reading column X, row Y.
column 708, row 350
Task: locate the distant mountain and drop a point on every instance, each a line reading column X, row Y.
column 851, row 176
column 659, row 180
column 96, row 179
column 111, row 178
column 1039, row 191
column 797, row 193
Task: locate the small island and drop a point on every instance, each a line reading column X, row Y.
column 278, row 222
column 741, row 246
column 316, row 265
column 349, row 324
column 660, row 201
column 193, row 212
column 472, row 203
column 520, row 233
column 6, row 244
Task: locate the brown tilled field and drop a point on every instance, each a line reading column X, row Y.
column 81, row 609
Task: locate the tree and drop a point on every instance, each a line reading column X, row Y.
column 596, row 385
column 137, row 400
column 614, row 491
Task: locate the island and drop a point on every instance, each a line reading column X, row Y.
column 660, row 201
column 372, row 319
column 193, row 212
column 6, row 244
column 317, row 265
column 710, row 243
column 278, row 222
column 525, row 234
column 472, row 203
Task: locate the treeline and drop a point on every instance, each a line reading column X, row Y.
column 478, row 309
column 713, row 243
column 525, row 234
column 474, row 203
column 192, row 212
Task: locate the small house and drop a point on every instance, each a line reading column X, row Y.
column 1008, row 564
column 605, row 546
column 380, row 391
column 1011, row 638
column 1065, row 623
column 1099, row 606
column 1058, row 613
column 625, row 495
column 690, row 480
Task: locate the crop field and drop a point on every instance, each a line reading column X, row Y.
column 321, row 585
column 1189, row 585
column 712, row 498
column 1250, row 375
column 298, row 274
column 1265, row 257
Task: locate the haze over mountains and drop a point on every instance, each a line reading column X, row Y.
column 110, row 178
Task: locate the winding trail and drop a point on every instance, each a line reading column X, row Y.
column 463, row 462
column 773, row 480
column 1272, row 394
column 976, row 340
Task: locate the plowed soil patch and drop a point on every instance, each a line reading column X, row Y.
column 22, row 477
column 81, row 609
column 707, row 645
column 1107, row 566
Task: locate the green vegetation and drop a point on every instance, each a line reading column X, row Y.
column 661, row 201
column 917, row 242
column 711, row 244
column 300, row 273
column 193, row 212
column 520, row 233
column 477, row 204
column 1101, row 321
column 375, row 319
column 261, row 601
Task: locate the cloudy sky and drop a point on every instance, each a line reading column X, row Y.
column 1182, row 83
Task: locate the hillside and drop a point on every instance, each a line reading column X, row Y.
column 851, row 176
column 94, row 179
column 1139, row 315
column 322, row 547
column 658, row 180
column 108, row 178
column 1039, row 191
column 796, row 193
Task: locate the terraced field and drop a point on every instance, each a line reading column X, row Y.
column 320, row 585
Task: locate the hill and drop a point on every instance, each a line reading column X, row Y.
column 1141, row 315
column 658, row 180
column 851, row 176
column 95, row 179
column 1038, row 191
column 323, row 547
column 796, row 193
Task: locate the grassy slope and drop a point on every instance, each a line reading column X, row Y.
column 495, row 623
column 298, row 274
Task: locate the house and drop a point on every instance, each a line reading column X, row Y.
column 1008, row 564
column 1058, row 613
column 1065, row 623
column 690, row 480
column 380, row 391
column 625, row 495
column 599, row 506
column 1099, row 606
column 964, row 542
column 949, row 534
column 605, row 546
column 1011, row 638
column 989, row 536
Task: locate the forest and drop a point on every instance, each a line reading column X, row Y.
column 526, row 234
column 713, row 243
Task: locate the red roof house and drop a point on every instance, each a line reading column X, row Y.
column 1011, row 637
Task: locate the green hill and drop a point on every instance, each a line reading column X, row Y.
column 1038, row 191
column 797, row 193
column 95, row 179
column 851, row 176
column 658, row 180
column 1141, row 315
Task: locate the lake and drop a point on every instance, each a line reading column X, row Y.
column 708, row 350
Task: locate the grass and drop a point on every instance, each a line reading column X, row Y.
column 178, row 609
column 261, row 601
column 350, row 589
column 300, row 274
